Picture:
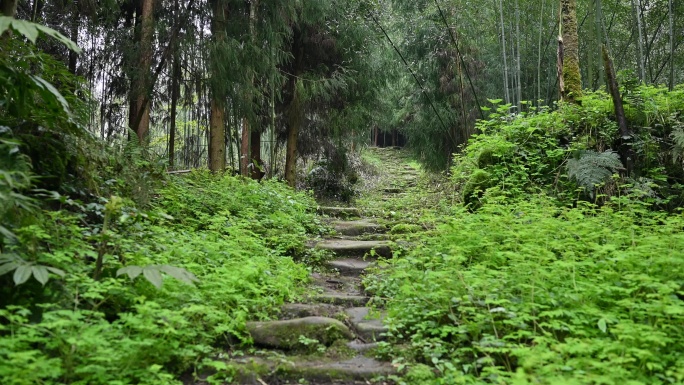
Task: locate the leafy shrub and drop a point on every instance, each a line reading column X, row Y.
column 535, row 293
column 232, row 234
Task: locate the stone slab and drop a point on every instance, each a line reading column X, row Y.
column 340, row 212
column 356, row 228
column 368, row 326
column 301, row 310
column 349, row 266
column 347, row 247
column 285, row 334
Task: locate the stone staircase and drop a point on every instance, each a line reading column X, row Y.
column 337, row 314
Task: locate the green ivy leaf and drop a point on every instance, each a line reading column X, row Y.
column 40, row 273
column 22, row 274
column 153, row 275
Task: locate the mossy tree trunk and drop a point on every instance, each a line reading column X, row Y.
column 571, row 79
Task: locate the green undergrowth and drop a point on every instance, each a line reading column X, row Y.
column 238, row 240
column 537, row 293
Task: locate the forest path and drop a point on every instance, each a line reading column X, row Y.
column 331, row 336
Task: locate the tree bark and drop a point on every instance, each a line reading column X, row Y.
column 636, row 5
column 625, row 149
column 295, row 109
column 217, row 128
column 294, row 119
column 175, row 93
column 140, row 88
column 672, row 46
column 255, row 152
column 8, row 7
column 571, row 78
column 503, row 48
column 244, row 148
column 75, row 19
column 517, row 54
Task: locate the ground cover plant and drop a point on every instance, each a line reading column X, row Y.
column 536, row 293
column 230, row 243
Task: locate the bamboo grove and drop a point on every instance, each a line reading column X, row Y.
column 254, row 85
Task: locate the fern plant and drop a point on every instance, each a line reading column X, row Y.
column 593, row 168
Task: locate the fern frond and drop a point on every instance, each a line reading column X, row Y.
column 592, row 168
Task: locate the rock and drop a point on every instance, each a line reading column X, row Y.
column 345, row 247
column 301, row 310
column 340, row 212
column 366, row 326
column 355, row 228
column 286, row 334
column 349, row 267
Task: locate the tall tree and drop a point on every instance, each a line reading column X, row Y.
column 217, row 130
column 571, row 78
column 139, row 113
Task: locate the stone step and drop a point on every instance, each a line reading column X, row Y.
column 285, row 334
column 393, row 190
column 301, row 310
column 298, row 370
column 356, row 228
column 342, row 299
column 346, row 247
column 349, row 267
column 340, row 212
column 366, row 325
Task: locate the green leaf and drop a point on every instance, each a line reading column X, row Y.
column 5, row 22
column 40, row 273
column 26, row 28
column 22, row 274
column 153, row 275
column 56, row 271
column 179, row 274
column 44, row 84
column 61, row 38
column 602, row 325
column 7, row 267
column 132, row 271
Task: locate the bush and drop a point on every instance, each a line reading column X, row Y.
column 533, row 293
column 237, row 238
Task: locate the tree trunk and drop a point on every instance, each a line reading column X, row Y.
column 625, row 149
column 244, row 149
column 517, row 53
column 255, row 152
column 571, row 78
column 503, row 48
column 175, row 93
column 539, row 53
column 75, row 18
column 672, row 46
column 636, row 5
column 140, row 107
column 293, row 121
column 295, row 109
column 8, row 7
column 217, row 128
